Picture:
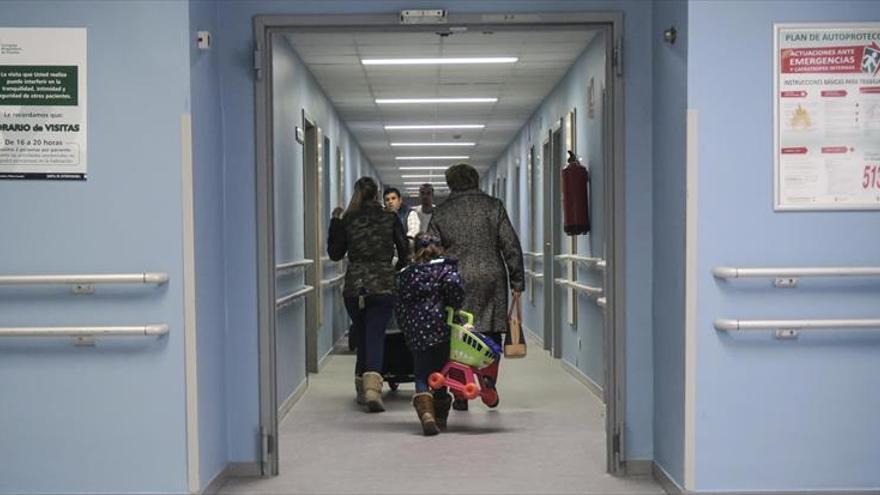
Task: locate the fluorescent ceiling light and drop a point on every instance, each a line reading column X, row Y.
column 423, row 168
column 422, row 176
column 435, row 100
column 436, row 187
column 444, row 126
column 451, row 157
column 455, row 143
column 419, row 183
column 443, row 60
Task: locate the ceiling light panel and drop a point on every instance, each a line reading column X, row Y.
column 454, row 143
column 409, row 101
column 423, row 168
column 428, row 126
column 451, row 157
column 440, row 60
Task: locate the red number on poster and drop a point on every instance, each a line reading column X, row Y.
column 871, row 177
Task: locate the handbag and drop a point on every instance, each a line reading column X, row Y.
column 515, row 344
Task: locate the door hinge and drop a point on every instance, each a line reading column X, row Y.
column 258, row 63
column 617, row 58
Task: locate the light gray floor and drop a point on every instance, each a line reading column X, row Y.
column 546, row 437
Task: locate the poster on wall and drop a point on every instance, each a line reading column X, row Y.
column 43, row 103
column 827, row 116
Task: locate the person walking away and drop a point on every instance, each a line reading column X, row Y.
column 475, row 229
column 370, row 236
column 426, row 288
column 426, row 207
column 408, row 217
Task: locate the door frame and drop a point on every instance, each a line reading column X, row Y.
column 312, row 195
column 610, row 25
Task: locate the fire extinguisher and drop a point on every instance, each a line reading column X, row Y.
column 575, row 197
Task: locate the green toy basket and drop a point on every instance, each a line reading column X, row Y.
column 465, row 347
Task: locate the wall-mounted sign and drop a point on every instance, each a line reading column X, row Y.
column 826, row 97
column 43, row 103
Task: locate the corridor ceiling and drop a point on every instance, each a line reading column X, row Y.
column 335, row 60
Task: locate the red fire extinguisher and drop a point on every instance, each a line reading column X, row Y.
column 575, row 197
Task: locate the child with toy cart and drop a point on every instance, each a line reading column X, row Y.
column 425, row 289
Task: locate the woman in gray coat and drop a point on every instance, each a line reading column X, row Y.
column 475, row 229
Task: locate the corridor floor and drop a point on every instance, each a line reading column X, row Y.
column 546, row 437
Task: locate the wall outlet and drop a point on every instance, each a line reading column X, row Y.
column 786, row 282
column 786, row 333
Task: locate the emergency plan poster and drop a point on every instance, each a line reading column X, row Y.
column 43, row 103
column 827, row 116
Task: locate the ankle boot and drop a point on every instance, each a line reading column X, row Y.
column 442, row 403
column 424, row 406
column 460, row 405
column 373, row 391
column 359, row 390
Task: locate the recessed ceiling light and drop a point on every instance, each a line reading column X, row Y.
column 423, row 168
column 426, row 126
column 452, row 157
column 454, row 143
column 435, row 100
column 444, row 60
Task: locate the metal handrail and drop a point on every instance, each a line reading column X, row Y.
column 86, row 279
column 333, row 280
column 534, row 275
column 738, row 325
column 586, row 289
column 528, row 254
column 293, row 265
column 285, row 300
column 726, row 272
column 86, row 331
column 587, row 260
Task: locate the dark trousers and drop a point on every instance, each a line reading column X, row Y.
column 369, row 325
column 427, row 362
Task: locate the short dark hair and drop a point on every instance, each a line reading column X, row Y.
column 461, row 177
column 389, row 190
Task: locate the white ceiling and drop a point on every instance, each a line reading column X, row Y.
column 334, row 59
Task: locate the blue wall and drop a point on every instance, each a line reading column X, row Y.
column 773, row 415
column 670, row 103
column 209, row 251
column 109, row 418
column 235, row 27
column 295, row 90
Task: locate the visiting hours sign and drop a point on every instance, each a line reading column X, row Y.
column 43, row 103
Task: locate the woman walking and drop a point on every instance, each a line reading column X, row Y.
column 370, row 235
column 475, row 229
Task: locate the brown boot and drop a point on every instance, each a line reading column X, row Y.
column 424, row 405
column 373, row 391
column 359, row 390
column 442, row 403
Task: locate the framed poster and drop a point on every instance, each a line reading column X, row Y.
column 826, row 115
column 43, row 103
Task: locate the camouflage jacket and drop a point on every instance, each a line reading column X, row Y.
column 369, row 236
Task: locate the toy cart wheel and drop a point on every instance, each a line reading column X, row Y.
column 490, row 398
column 393, row 385
column 471, row 391
column 436, row 380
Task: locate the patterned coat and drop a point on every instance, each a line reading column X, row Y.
column 475, row 229
column 369, row 236
column 424, row 291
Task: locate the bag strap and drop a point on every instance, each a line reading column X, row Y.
column 515, row 336
column 515, row 305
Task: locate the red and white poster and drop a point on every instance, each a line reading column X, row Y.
column 827, row 116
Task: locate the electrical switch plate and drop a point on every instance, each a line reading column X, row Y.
column 83, row 289
column 786, row 282
column 299, row 135
column 204, row 40
column 786, row 333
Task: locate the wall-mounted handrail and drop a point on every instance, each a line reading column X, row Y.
column 86, row 279
column 85, row 331
column 586, row 289
column 293, row 296
column 294, row 265
column 726, row 272
column 738, row 325
column 586, row 260
column 534, row 275
column 528, row 254
column 333, row 280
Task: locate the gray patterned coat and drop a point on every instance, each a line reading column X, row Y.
column 475, row 229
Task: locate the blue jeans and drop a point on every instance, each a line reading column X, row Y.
column 369, row 325
column 427, row 362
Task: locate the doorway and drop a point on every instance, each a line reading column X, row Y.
column 607, row 26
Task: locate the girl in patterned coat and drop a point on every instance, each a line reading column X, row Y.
column 425, row 288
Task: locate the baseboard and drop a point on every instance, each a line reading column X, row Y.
column 666, row 482
column 533, row 337
column 232, row 470
column 291, row 401
column 639, row 467
column 588, row 382
column 325, row 359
